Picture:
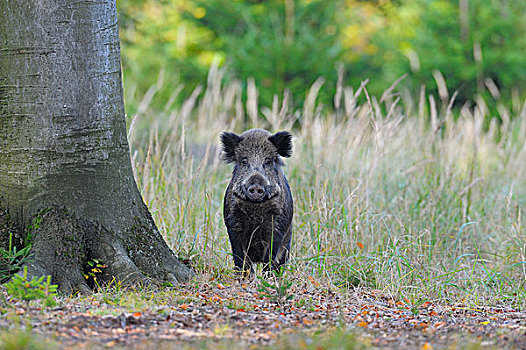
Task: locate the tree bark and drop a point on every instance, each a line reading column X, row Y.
column 65, row 170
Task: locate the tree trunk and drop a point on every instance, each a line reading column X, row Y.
column 66, row 182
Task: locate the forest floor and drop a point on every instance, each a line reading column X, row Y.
column 248, row 314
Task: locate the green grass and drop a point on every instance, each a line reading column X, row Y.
column 17, row 339
column 398, row 194
column 327, row 339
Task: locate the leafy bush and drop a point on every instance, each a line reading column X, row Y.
column 281, row 44
column 20, row 287
column 477, row 45
column 12, row 259
column 159, row 45
column 278, row 287
column 473, row 46
column 23, row 340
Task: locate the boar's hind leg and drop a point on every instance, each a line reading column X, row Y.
column 277, row 262
column 282, row 254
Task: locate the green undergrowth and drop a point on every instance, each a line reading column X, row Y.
column 297, row 340
column 12, row 259
column 337, row 339
column 18, row 339
column 21, row 288
column 321, row 339
column 397, row 194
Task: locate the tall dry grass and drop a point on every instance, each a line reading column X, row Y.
column 398, row 193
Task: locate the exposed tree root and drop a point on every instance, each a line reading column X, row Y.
column 63, row 244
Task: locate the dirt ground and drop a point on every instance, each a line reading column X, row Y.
column 244, row 314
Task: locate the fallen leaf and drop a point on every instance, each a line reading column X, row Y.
column 215, row 297
column 307, row 321
column 427, row 346
column 360, row 245
column 313, row 281
column 363, row 324
column 439, row 324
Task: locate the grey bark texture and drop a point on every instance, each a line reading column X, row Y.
column 64, row 156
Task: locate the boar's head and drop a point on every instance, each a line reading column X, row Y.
column 256, row 154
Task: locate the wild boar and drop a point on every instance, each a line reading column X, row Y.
column 258, row 206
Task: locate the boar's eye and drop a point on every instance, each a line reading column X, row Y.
column 244, row 161
column 268, row 162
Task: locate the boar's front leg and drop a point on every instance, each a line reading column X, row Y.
column 241, row 261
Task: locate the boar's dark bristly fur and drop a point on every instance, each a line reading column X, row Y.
column 258, row 205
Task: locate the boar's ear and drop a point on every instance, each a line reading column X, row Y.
column 229, row 141
column 283, row 142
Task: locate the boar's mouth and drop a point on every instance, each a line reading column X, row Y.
column 264, row 199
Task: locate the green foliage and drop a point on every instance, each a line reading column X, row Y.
column 281, row 44
column 159, row 45
column 338, row 339
column 22, row 340
column 350, row 277
column 92, row 270
column 12, row 259
column 287, row 44
column 277, row 289
column 476, row 45
column 19, row 287
column 111, row 292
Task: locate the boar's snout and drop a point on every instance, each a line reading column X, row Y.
column 256, row 193
column 256, row 188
